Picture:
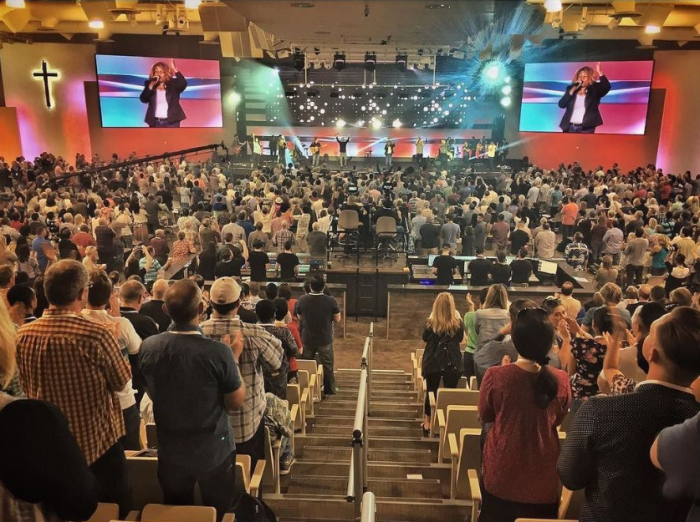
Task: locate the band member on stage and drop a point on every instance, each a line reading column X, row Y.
column 236, row 145
column 419, row 149
column 479, row 150
column 257, row 150
column 389, row 152
column 582, row 101
column 466, row 151
column 282, row 150
column 315, row 150
column 491, row 154
column 342, row 150
column 162, row 94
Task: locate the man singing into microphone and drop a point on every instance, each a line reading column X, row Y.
column 162, row 94
column 582, row 99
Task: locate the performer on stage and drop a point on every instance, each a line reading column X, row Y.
column 282, row 150
column 315, row 150
column 582, row 100
column 162, row 94
column 342, row 150
column 419, row 149
column 389, row 152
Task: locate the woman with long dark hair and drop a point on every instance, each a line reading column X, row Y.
column 525, row 401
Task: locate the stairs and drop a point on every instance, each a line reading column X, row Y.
column 403, row 473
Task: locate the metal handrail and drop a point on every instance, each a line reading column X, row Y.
column 350, row 494
column 357, row 478
column 369, row 507
column 364, row 362
column 360, row 410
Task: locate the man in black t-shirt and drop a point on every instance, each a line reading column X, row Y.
column 445, row 267
column 287, row 263
column 258, row 261
column 521, row 268
column 479, row 268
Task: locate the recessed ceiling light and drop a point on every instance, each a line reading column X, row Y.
column 437, row 6
column 302, row 5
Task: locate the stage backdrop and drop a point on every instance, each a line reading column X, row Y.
column 63, row 128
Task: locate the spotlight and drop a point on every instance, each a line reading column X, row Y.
column 15, row 4
column 299, row 60
column 370, row 62
column 340, row 123
column 552, row 6
column 396, row 123
column 401, row 61
column 339, row 61
column 652, row 29
column 376, row 124
column 234, row 97
column 614, row 23
column 192, row 4
column 275, row 70
column 506, row 89
column 96, row 24
column 506, row 101
column 492, row 71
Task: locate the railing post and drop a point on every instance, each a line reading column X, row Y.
column 357, row 477
column 369, row 507
column 365, row 444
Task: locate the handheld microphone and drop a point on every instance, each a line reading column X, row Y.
column 155, row 78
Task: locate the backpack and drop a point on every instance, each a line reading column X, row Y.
column 252, row 509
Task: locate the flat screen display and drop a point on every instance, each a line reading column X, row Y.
column 139, row 91
column 617, row 107
column 547, row 267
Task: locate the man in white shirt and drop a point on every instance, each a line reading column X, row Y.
column 545, row 242
column 99, row 296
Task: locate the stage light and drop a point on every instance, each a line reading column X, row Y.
column 506, row 79
column 370, row 62
column 652, row 29
column 376, row 124
column 340, row 123
column 299, row 61
column 275, row 70
column 552, row 6
column 492, row 72
column 614, row 23
column 15, row 4
column 360, row 123
column 396, row 124
column 401, row 62
column 192, row 4
column 234, row 97
column 506, row 89
column 506, row 101
column 96, row 24
column 339, row 61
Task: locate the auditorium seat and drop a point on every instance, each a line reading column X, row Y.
column 571, row 503
column 299, row 399
column 271, row 476
column 314, row 369
column 143, row 476
column 349, row 224
column 248, row 480
column 450, row 397
column 105, row 512
column 465, row 453
column 385, row 233
column 307, row 384
column 163, row 513
column 453, row 420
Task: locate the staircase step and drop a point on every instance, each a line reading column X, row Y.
column 374, row 422
column 379, row 431
column 384, row 471
column 324, row 453
column 385, row 412
column 379, row 443
column 348, row 404
column 402, row 455
column 317, row 509
column 396, row 488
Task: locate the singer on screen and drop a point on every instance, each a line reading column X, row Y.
column 582, row 101
column 162, row 94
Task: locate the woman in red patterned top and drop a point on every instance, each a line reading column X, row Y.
column 525, row 401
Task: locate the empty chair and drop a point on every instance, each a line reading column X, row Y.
column 297, row 400
column 450, row 397
column 349, row 224
column 307, row 383
column 163, row 513
column 247, row 481
column 314, row 369
column 455, row 419
column 385, row 233
column 465, row 452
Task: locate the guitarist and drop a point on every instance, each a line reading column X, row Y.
column 315, row 150
column 236, row 146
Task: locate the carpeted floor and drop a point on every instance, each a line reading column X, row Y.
column 388, row 354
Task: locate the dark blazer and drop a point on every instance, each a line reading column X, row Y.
column 606, row 451
column 173, row 88
column 592, row 117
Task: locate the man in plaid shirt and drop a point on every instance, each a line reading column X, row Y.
column 282, row 236
column 77, row 366
column 261, row 350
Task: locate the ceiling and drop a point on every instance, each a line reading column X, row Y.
column 248, row 28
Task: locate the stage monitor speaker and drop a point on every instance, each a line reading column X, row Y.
column 221, row 18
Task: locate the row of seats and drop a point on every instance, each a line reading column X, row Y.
column 455, row 420
column 160, row 513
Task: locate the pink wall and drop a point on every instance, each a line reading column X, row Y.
column 10, row 139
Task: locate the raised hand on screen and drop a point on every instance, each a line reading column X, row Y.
column 172, row 66
column 598, row 70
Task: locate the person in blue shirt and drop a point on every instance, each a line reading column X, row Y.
column 194, row 383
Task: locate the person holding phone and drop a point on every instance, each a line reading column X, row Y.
column 162, row 92
column 581, row 101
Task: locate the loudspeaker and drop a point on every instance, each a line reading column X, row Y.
column 221, row 18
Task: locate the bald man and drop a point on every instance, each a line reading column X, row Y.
column 155, row 309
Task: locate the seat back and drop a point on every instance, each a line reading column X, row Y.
column 243, row 465
column 162, row 513
column 457, row 419
column 105, row 513
column 455, row 397
column 312, row 367
column 386, row 226
column 294, row 397
column 304, row 379
column 349, row 220
column 143, row 475
column 271, row 475
column 469, row 458
column 571, row 503
column 151, row 436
